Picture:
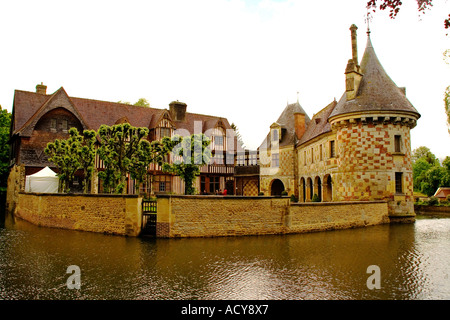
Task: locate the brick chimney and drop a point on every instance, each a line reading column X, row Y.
column 300, row 124
column 178, row 110
column 41, row 88
column 353, row 74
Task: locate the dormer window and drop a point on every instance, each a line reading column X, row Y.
column 275, row 135
column 218, row 138
column 164, row 129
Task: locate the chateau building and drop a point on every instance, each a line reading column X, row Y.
column 39, row 118
column 354, row 149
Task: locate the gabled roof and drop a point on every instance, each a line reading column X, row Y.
column 34, row 112
column 377, row 92
column 287, row 123
column 94, row 113
column 319, row 124
column 442, row 192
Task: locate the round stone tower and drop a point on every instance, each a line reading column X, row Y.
column 372, row 122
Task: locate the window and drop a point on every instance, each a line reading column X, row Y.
column 165, row 132
column 214, row 184
column 320, row 153
column 218, row 140
column 162, row 184
column 275, row 160
column 398, row 182
column 312, row 155
column 332, row 149
column 53, row 125
column 398, row 143
column 218, row 158
column 275, row 135
column 304, row 156
column 64, row 125
column 252, row 160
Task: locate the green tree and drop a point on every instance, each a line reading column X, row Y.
column 191, row 152
column 69, row 155
column 147, row 153
column 86, row 153
column 425, row 153
column 420, row 168
column 5, row 123
column 119, row 148
column 142, row 102
column 63, row 154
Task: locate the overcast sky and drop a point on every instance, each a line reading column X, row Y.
column 243, row 60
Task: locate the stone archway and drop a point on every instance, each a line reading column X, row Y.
column 276, row 187
column 327, row 188
column 318, row 187
column 309, row 189
column 302, row 193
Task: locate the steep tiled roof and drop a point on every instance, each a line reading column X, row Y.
column 319, row 124
column 377, row 92
column 287, row 123
column 96, row 112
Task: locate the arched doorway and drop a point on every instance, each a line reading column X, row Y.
column 302, row 190
column 276, row 188
column 327, row 188
column 309, row 189
column 318, row 187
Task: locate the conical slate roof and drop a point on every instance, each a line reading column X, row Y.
column 377, row 92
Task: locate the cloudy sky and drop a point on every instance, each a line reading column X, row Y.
column 240, row 59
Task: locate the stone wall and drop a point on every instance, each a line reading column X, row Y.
column 109, row 214
column 209, row 216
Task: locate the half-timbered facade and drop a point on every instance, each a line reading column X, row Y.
column 39, row 118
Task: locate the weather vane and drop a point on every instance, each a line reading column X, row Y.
column 367, row 20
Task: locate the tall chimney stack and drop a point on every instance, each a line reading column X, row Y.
column 353, row 74
column 353, row 29
column 41, row 88
column 300, row 124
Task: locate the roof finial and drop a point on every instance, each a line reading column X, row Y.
column 367, row 20
column 297, row 96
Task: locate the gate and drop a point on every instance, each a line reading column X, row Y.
column 149, row 209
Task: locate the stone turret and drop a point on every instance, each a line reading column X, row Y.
column 372, row 123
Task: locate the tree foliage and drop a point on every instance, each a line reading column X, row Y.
column 394, row 7
column 64, row 155
column 428, row 173
column 119, row 145
column 5, row 123
column 190, row 152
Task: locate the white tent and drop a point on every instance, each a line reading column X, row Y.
column 44, row 181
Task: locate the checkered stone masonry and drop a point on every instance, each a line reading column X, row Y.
column 368, row 162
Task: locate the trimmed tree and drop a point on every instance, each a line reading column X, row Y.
column 191, row 153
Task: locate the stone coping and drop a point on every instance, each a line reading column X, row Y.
column 232, row 197
column 81, row 195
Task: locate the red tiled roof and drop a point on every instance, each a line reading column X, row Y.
column 442, row 192
column 97, row 112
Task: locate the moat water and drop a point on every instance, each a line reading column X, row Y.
column 413, row 261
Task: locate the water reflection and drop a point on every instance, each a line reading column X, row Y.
column 413, row 259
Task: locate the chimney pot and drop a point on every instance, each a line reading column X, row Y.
column 178, row 110
column 41, row 88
